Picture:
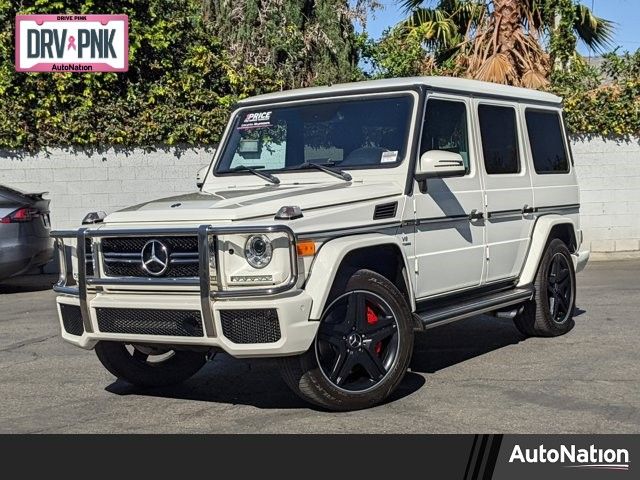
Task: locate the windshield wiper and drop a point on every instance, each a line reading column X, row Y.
column 264, row 175
column 323, row 167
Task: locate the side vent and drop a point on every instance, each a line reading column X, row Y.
column 385, row 210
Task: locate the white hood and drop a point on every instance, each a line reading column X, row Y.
column 242, row 203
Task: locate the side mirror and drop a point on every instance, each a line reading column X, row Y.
column 438, row 164
column 202, row 173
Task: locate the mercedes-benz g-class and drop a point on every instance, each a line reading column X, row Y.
column 332, row 224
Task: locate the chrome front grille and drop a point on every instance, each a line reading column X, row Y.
column 198, row 244
column 123, row 257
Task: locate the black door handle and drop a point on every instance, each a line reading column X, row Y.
column 527, row 209
column 475, row 215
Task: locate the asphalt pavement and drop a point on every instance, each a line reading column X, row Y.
column 475, row 376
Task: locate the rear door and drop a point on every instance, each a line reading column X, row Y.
column 508, row 192
column 449, row 245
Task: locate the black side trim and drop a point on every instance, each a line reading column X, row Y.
column 448, row 218
column 350, row 231
column 530, row 210
column 504, row 213
column 464, row 309
column 558, row 207
column 461, row 296
column 385, row 210
column 462, row 216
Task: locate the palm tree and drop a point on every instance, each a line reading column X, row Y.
column 445, row 27
column 502, row 40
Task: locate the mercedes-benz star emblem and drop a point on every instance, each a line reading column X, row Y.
column 354, row 340
column 155, row 258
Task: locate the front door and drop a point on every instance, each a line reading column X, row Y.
column 449, row 239
column 509, row 196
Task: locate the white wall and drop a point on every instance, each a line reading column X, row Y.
column 609, row 177
column 608, row 171
column 79, row 183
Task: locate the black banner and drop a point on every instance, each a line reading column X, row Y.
column 466, row 457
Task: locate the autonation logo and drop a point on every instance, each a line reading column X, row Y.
column 574, row 457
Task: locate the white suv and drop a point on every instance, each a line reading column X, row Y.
column 333, row 223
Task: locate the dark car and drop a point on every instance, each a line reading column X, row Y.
column 24, row 231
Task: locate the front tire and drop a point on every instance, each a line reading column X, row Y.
column 362, row 350
column 146, row 366
column 550, row 312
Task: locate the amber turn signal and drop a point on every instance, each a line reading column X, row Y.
column 306, row 248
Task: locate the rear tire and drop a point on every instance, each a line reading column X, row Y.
column 550, row 312
column 137, row 365
column 362, row 350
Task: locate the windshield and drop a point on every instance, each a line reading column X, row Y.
column 359, row 133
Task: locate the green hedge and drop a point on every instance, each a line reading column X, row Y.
column 181, row 83
column 602, row 101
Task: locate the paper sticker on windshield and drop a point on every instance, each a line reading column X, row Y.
column 389, row 157
column 256, row 120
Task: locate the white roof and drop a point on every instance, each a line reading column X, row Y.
column 462, row 85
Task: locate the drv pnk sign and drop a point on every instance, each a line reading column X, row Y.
column 72, row 43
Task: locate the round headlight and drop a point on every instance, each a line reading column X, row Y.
column 258, row 251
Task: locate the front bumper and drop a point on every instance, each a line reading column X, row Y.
column 297, row 332
column 94, row 295
column 580, row 260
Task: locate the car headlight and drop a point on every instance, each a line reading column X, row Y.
column 258, row 251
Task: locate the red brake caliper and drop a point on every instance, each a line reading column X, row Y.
column 372, row 319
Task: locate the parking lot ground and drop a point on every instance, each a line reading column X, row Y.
column 477, row 375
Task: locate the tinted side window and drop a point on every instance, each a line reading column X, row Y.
column 547, row 142
column 445, row 128
column 499, row 139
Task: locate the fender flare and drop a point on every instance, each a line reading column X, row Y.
column 541, row 231
column 329, row 259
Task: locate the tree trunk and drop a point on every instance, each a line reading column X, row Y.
column 507, row 20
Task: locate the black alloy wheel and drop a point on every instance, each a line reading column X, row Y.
column 560, row 289
column 550, row 312
column 357, row 343
column 362, row 349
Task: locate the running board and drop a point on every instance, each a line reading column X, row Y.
column 468, row 308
